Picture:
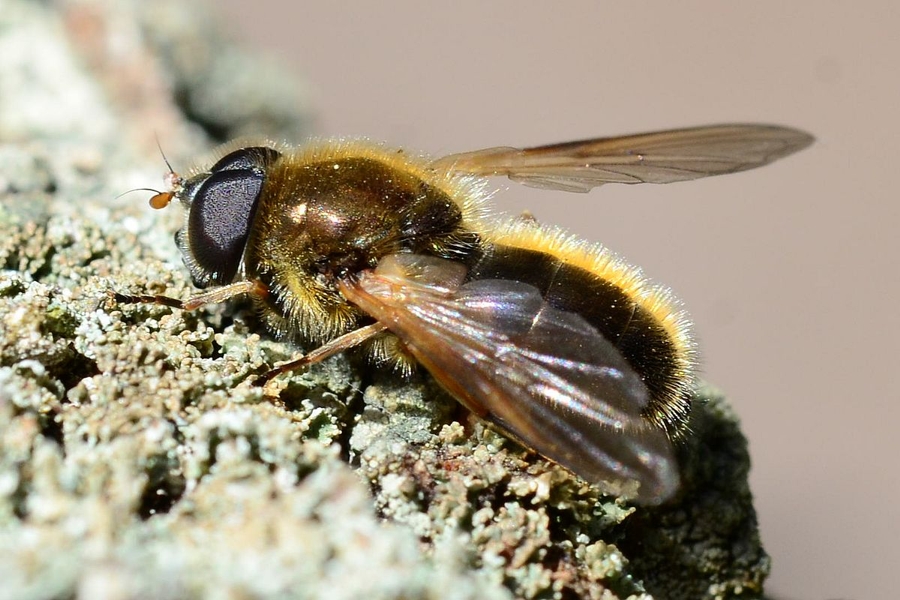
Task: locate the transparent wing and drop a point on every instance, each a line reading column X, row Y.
column 544, row 376
column 659, row 157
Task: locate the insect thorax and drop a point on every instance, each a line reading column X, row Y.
column 320, row 221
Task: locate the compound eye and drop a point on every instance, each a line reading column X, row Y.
column 256, row 157
column 219, row 223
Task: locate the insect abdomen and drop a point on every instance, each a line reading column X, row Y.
column 641, row 320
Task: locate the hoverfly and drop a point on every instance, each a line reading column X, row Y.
column 556, row 342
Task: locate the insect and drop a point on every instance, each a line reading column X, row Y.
column 556, row 342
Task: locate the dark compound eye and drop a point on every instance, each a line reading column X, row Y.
column 219, row 223
column 221, row 205
column 256, row 157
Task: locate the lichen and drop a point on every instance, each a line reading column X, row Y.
column 138, row 460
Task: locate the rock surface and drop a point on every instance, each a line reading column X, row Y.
column 136, row 461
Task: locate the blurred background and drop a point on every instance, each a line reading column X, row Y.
column 790, row 272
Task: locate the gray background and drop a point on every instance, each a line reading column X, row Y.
column 790, row 272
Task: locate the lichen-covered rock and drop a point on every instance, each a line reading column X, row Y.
column 138, row 461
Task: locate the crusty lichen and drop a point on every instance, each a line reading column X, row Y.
column 137, row 460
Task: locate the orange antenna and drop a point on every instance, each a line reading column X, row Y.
column 157, row 201
column 161, row 200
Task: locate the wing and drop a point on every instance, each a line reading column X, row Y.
column 660, row 157
column 543, row 376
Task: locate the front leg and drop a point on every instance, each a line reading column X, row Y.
column 213, row 296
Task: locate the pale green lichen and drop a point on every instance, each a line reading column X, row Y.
column 165, row 441
column 137, row 460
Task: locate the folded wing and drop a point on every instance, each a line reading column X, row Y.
column 544, row 376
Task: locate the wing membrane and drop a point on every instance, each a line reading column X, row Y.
column 544, row 376
column 659, row 157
